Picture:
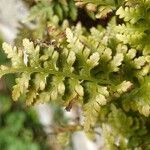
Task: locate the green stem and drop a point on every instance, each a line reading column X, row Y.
column 53, row 72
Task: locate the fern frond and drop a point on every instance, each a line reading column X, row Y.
column 139, row 99
column 99, row 96
column 105, row 68
column 94, row 67
column 135, row 31
column 48, row 10
column 99, row 8
column 118, row 128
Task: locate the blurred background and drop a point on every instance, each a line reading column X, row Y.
column 41, row 127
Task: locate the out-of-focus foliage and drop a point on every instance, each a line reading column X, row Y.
column 104, row 69
column 46, row 13
column 19, row 129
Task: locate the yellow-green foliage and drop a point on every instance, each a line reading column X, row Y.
column 99, row 8
column 105, row 69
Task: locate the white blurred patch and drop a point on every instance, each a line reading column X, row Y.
column 81, row 142
column 45, row 114
column 11, row 12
